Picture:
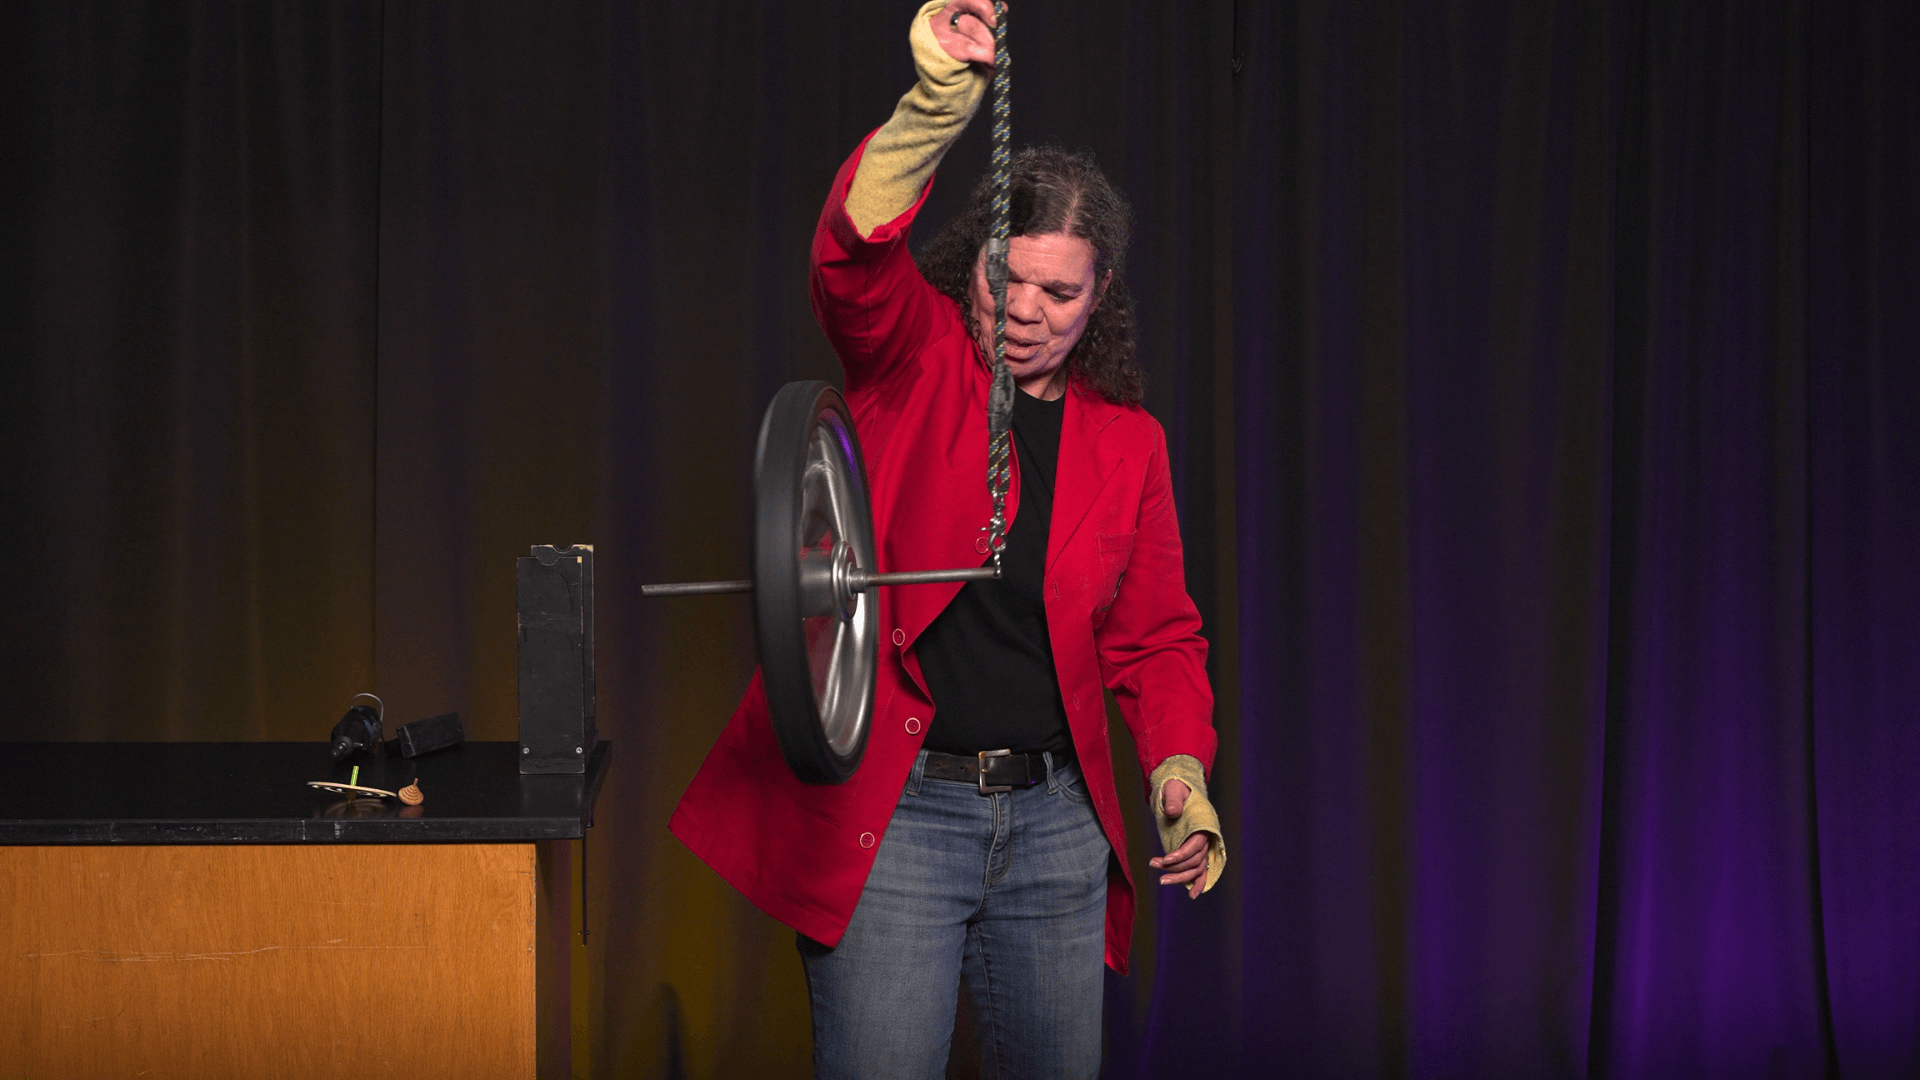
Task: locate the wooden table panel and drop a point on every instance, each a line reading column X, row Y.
column 187, row 961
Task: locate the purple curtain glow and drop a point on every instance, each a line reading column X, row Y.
column 1575, row 378
column 1863, row 344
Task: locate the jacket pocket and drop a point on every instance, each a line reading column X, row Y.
column 1115, row 550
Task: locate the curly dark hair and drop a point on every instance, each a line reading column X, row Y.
column 1055, row 190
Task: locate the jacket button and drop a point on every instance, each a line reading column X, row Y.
column 899, row 636
column 866, row 839
column 913, row 725
column 980, row 544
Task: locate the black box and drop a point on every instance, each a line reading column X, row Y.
column 426, row 736
column 556, row 659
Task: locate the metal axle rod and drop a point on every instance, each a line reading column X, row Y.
column 861, row 579
column 696, row 588
column 858, row 580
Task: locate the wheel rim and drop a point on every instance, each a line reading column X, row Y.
column 818, row 643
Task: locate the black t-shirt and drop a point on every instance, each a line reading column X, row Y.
column 987, row 658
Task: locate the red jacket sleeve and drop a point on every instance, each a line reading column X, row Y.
column 1151, row 653
column 867, row 293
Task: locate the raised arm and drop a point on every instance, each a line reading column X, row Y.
column 953, row 53
column 868, row 295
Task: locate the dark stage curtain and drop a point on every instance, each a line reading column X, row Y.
column 191, row 256
column 1540, row 380
column 1574, row 366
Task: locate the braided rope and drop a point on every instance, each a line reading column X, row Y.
column 1000, row 396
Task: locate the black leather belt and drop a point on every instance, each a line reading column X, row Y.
column 992, row 770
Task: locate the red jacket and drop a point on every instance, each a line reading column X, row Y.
column 1117, row 608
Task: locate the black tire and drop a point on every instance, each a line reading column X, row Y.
column 818, row 751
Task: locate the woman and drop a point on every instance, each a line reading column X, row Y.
column 980, row 834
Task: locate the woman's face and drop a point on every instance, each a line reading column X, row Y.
column 1050, row 293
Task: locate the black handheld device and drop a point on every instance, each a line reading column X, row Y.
column 358, row 730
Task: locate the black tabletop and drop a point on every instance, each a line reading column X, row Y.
column 257, row 793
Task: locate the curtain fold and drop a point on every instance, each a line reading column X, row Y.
column 1708, row 953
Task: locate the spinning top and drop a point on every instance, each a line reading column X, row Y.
column 411, row 794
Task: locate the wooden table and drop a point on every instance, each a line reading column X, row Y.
column 195, row 910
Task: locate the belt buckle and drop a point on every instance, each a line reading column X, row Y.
column 983, row 756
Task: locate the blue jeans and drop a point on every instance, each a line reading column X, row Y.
column 1010, row 888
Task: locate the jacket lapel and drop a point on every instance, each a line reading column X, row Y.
column 1082, row 471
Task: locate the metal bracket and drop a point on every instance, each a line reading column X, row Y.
column 997, row 268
